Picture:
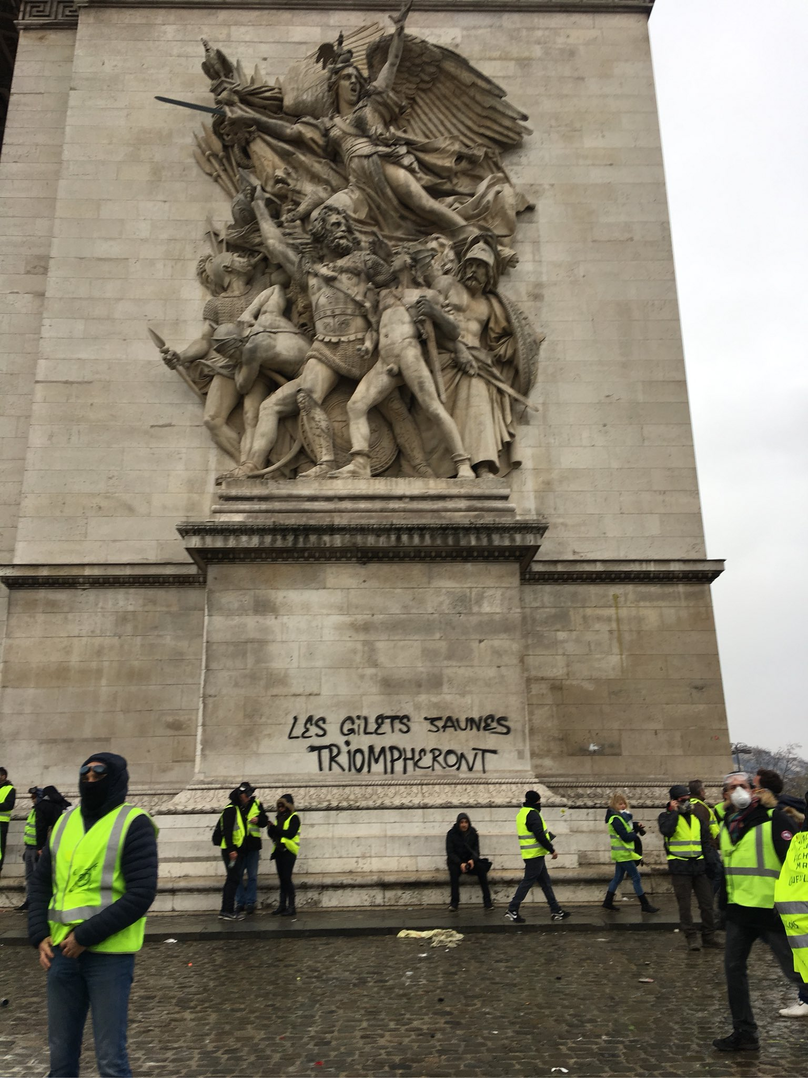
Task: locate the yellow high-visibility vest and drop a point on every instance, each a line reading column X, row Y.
column 622, row 850
column 791, row 900
column 87, row 875
column 292, row 844
column 751, row 866
column 528, row 844
column 686, row 841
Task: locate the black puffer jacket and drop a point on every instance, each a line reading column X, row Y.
column 462, row 846
column 138, row 865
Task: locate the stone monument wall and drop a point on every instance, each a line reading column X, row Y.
column 583, row 652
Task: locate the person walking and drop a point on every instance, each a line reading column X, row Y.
column 255, row 819
column 791, row 904
column 233, row 828
column 30, row 854
column 535, row 843
column 686, row 839
column 754, row 845
column 8, row 797
column 285, row 831
column 463, row 857
column 624, row 836
column 90, row 892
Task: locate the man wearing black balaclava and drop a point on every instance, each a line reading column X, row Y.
column 86, row 929
column 535, row 843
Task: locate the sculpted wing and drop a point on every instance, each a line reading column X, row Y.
column 446, row 96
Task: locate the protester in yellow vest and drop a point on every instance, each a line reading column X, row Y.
column 8, row 796
column 233, row 829
column 754, row 843
column 686, row 840
column 791, row 903
column 285, row 831
column 90, row 892
column 255, row 820
column 624, row 840
column 30, row 855
column 535, row 843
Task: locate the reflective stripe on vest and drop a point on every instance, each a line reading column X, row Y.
column 86, row 866
column 751, row 866
column 5, row 790
column 528, row 844
column 239, row 832
column 713, row 820
column 791, row 901
column 292, row 844
column 686, row 841
column 622, row 850
column 29, row 834
column 253, row 829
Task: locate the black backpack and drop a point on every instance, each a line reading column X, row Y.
column 218, row 835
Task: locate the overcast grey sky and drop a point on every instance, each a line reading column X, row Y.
column 732, row 88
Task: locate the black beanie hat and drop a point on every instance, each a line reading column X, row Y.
column 678, row 791
column 532, row 798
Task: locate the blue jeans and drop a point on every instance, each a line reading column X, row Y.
column 620, row 871
column 247, row 895
column 535, row 874
column 97, row 981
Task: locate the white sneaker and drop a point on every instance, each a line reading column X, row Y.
column 796, row 1011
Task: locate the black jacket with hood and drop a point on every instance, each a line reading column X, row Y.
column 462, row 846
column 138, row 865
column 229, row 822
column 48, row 811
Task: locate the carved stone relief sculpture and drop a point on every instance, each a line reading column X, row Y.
column 355, row 325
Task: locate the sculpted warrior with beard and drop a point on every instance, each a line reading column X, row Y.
column 342, row 294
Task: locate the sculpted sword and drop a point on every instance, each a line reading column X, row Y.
column 180, row 370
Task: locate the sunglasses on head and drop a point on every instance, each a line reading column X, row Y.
column 99, row 770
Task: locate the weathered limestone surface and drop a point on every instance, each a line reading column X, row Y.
column 117, row 454
column 102, row 669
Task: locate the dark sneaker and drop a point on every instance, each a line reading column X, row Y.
column 452, row 907
column 290, row 913
column 737, row 1041
column 514, row 916
column 228, row 916
column 250, row 909
column 488, row 907
column 240, row 916
column 278, row 911
column 559, row 916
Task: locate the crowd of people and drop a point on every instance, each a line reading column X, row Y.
column 91, row 877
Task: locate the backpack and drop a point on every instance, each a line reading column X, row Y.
column 218, row 835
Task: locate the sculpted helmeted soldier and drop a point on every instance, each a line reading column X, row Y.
column 341, row 289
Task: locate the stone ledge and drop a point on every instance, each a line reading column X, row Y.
column 231, row 542
column 101, row 576
column 662, row 571
column 575, row 6
column 379, row 500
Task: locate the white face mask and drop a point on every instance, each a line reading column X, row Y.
column 740, row 798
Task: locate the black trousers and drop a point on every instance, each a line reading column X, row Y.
column 234, row 871
column 740, row 939
column 684, row 885
column 455, row 876
column 3, row 838
column 285, row 864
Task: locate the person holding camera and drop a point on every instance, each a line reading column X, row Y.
column 463, row 857
column 687, row 839
column 626, row 851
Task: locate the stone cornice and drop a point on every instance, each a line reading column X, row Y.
column 244, row 541
column 47, row 14
column 56, row 14
column 102, row 576
column 625, row 571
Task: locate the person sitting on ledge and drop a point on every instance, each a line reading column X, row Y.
column 463, row 857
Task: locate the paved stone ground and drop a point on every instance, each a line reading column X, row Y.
column 498, row 1005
